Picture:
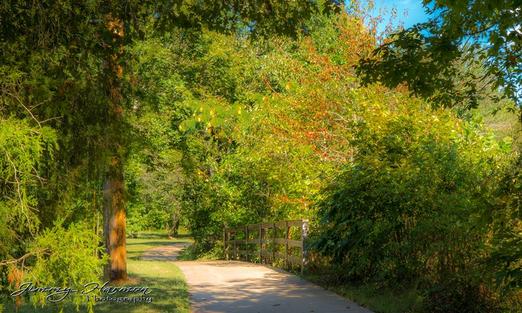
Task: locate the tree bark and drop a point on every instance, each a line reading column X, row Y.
column 173, row 231
column 115, row 222
column 114, row 200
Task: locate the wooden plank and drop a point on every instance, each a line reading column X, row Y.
column 304, row 253
column 238, row 241
column 280, row 224
column 225, row 243
column 296, row 223
column 253, row 226
column 295, row 243
column 234, row 248
column 279, row 255
column 273, row 239
column 268, row 258
column 280, row 241
column 295, row 260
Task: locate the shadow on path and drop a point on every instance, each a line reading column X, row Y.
column 239, row 287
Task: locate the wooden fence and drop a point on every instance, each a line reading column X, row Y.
column 271, row 243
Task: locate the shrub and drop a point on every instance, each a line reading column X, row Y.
column 414, row 206
column 67, row 257
column 460, row 295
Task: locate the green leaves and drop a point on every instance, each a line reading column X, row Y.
column 67, row 257
column 422, row 184
column 429, row 57
column 24, row 152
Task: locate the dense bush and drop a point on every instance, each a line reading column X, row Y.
column 66, row 257
column 24, row 152
column 459, row 294
column 414, row 202
column 418, row 204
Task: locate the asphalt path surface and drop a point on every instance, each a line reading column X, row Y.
column 240, row 287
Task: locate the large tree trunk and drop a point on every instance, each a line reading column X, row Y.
column 114, row 222
column 114, row 201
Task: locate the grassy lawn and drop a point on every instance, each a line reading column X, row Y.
column 165, row 280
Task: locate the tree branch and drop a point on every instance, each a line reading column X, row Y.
column 22, row 258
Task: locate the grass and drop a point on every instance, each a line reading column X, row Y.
column 165, row 280
column 379, row 300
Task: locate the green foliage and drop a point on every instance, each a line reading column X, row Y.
column 154, row 192
column 67, row 257
column 58, row 86
column 268, row 130
column 461, row 295
column 506, row 244
column 502, row 121
column 24, row 152
column 438, row 60
column 153, row 171
column 221, row 130
column 260, row 18
column 415, row 206
column 493, row 22
column 227, row 101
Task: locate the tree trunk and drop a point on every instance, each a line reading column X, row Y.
column 173, row 231
column 114, row 222
column 114, row 201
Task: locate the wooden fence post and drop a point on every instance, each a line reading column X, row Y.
column 287, row 236
column 274, row 231
column 225, row 243
column 235, row 246
column 247, row 246
column 260, row 243
column 304, row 234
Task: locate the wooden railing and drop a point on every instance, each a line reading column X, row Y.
column 271, row 243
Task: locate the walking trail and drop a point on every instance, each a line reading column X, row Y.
column 240, row 287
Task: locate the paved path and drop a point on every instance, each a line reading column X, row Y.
column 164, row 253
column 240, row 287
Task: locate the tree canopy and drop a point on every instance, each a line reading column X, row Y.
column 118, row 117
column 427, row 56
